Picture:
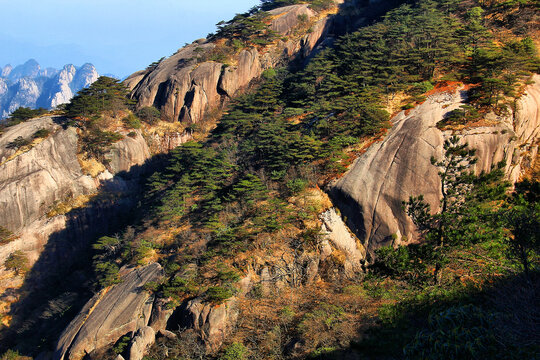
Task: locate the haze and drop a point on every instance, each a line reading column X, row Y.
column 118, row 36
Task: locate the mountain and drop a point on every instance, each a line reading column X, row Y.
column 315, row 180
column 29, row 85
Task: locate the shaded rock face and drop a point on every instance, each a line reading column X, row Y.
column 369, row 195
column 124, row 308
column 186, row 91
column 31, row 183
column 338, row 236
column 144, row 338
column 30, row 86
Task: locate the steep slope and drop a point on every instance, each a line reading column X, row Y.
column 185, row 89
column 238, row 222
column 370, row 194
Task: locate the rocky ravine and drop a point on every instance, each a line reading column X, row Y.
column 185, row 90
column 369, row 195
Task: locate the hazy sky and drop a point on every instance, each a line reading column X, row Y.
column 118, row 36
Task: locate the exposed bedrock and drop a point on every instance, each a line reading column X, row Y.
column 185, row 90
column 33, row 182
column 370, row 194
column 123, row 309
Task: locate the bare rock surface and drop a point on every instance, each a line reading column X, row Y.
column 144, row 338
column 339, row 235
column 114, row 312
column 35, row 180
column 214, row 322
column 369, row 195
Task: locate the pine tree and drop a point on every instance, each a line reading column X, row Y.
column 456, row 183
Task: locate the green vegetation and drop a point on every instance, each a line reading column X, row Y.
column 314, row 4
column 248, row 196
column 131, row 121
column 41, row 134
column 6, row 236
column 23, row 114
column 105, row 95
column 17, row 261
column 149, row 115
column 235, row 351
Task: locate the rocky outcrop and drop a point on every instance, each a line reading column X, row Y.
column 214, row 322
column 186, row 90
column 144, row 338
column 337, row 236
column 30, row 86
column 114, row 312
column 369, row 195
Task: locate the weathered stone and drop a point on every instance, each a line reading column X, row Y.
column 167, row 334
column 340, row 237
column 33, row 182
column 371, row 192
column 110, row 314
column 160, row 315
column 128, row 152
column 144, row 338
column 288, row 17
column 238, row 77
column 214, row 322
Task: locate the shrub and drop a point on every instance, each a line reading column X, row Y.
column 132, row 121
column 107, row 273
column 235, row 351
column 13, row 355
column 218, row 294
column 149, row 115
column 17, row 261
column 17, row 143
column 324, row 318
column 6, row 236
column 41, row 133
column 461, row 332
column 22, row 114
column 96, row 142
column 296, row 186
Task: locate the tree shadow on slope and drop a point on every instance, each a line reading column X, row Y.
column 62, row 280
column 500, row 321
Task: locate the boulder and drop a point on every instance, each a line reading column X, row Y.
column 144, row 338
column 114, row 312
column 370, row 194
column 128, row 152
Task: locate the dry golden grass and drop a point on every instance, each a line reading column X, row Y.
column 90, row 166
column 62, row 208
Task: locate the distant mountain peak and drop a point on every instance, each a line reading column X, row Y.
column 30, row 85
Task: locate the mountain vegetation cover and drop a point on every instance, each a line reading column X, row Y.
column 250, row 193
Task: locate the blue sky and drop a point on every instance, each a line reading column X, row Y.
column 118, row 36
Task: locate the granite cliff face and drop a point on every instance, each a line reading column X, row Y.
column 185, row 90
column 110, row 314
column 36, row 180
column 369, row 195
column 29, row 85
